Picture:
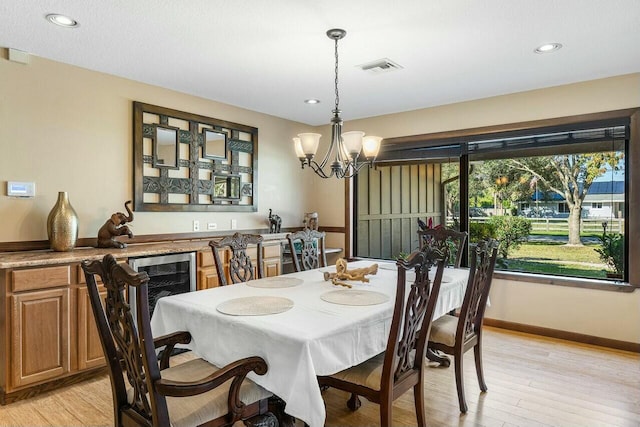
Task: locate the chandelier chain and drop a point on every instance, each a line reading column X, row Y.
column 336, row 70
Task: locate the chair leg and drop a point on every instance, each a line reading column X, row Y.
column 418, row 396
column 354, row 402
column 276, row 407
column 264, row 420
column 385, row 413
column 459, row 381
column 477, row 351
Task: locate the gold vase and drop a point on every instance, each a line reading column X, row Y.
column 62, row 225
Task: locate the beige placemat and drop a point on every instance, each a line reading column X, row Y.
column 275, row 282
column 255, row 306
column 354, row 297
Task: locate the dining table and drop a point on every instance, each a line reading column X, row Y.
column 302, row 325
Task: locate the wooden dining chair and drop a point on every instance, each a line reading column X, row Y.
column 146, row 393
column 455, row 335
column 307, row 249
column 441, row 237
column 241, row 268
column 387, row 376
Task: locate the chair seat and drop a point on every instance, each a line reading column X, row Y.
column 443, row 330
column 198, row 409
column 367, row 373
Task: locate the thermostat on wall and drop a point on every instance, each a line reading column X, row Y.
column 21, row 189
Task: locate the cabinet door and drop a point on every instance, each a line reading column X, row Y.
column 271, row 267
column 40, row 336
column 90, row 353
column 271, row 260
column 207, row 278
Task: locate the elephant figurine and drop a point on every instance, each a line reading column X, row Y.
column 275, row 222
column 115, row 226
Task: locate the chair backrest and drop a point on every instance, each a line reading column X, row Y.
column 307, row 249
column 128, row 347
column 241, row 268
column 411, row 324
column 483, row 261
column 443, row 238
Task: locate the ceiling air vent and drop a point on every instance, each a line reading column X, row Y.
column 383, row 65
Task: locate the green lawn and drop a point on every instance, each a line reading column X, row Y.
column 557, row 258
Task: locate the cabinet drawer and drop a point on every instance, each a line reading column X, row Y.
column 205, row 258
column 271, row 251
column 40, row 278
column 252, row 252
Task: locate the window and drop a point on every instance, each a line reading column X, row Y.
column 555, row 198
column 563, row 208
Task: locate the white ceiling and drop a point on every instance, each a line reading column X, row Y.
column 270, row 55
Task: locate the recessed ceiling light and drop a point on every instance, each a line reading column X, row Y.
column 548, row 47
column 62, row 20
column 312, row 101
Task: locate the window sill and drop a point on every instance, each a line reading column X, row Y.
column 573, row 282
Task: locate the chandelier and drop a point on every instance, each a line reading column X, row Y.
column 345, row 148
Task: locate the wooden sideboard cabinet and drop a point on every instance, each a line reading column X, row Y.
column 48, row 335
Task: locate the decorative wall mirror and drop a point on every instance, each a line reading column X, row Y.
column 165, row 147
column 188, row 162
column 215, row 145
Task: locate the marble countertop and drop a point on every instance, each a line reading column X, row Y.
column 49, row 257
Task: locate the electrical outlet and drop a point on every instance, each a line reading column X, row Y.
column 196, row 225
column 234, row 224
column 212, row 226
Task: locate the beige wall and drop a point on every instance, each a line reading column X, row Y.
column 70, row 129
column 605, row 314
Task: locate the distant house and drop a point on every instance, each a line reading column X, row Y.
column 605, row 199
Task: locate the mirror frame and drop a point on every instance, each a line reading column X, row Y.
column 195, row 182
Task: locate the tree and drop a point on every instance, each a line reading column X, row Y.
column 570, row 176
column 451, row 180
column 511, row 232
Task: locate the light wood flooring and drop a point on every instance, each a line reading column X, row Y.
column 532, row 380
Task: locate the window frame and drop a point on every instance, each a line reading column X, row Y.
column 400, row 148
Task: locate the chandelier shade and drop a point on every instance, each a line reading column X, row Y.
column 342, row 159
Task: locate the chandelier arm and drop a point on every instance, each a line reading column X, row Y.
column 354, row 168
column 319, row 170
column 327, row 156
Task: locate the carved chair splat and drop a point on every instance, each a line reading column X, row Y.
column 441, row 238
column 241, row 268
column 312, row 249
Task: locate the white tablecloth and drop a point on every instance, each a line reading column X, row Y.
column 313, row 338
